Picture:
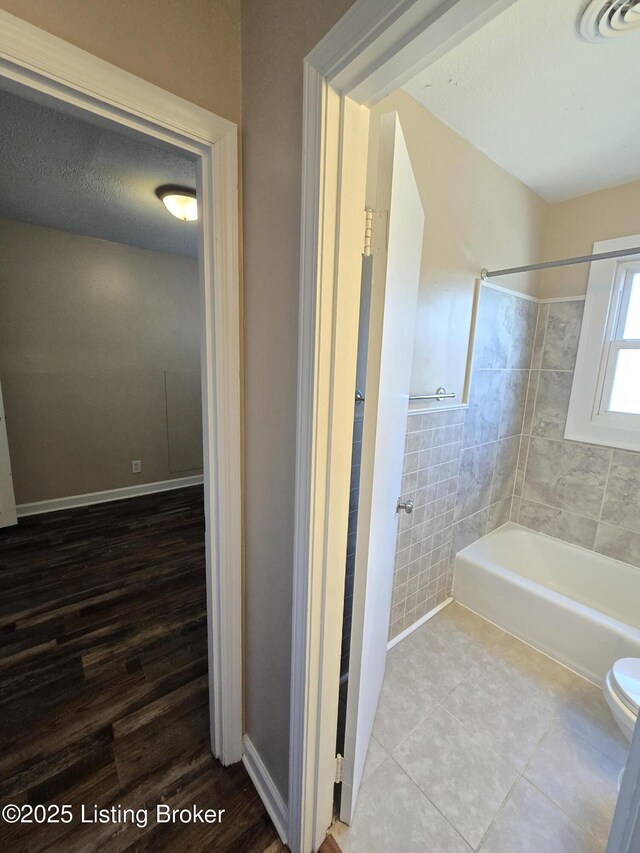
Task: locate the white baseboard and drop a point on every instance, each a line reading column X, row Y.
column 417, row 624
column 269, row 794
column 72, row 501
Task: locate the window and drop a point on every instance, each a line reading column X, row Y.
column 605, row 397
column 621, row 386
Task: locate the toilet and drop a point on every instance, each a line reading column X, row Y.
column 621, row 689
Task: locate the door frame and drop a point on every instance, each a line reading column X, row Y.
column 376, row 47
column 47, row 69
column 625, row 828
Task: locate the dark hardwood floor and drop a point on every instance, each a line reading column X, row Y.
column 103, row 681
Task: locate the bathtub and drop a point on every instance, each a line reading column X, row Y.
column 578, row 607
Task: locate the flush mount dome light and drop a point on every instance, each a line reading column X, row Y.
column 179, row 201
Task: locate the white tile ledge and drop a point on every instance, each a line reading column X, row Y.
column 528, row 297
column 394, row 642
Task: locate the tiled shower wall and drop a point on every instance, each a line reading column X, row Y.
column 508, row 458
column 502, row 352
column 430, row 479
column 456, row 505
column 582, row 493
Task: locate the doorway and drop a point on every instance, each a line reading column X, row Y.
column 344, row 122
column 33, row 65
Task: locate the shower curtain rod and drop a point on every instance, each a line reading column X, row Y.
column 565, row 262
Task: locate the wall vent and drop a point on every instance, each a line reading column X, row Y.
column 604, row 19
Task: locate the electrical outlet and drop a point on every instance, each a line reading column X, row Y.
column 136, row 466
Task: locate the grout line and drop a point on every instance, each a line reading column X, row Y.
column 485, row 443
column 626, row 530
column 522, row 427
column 521, row 775
column 572, row 441
column 535, row 399
column 553, row 719
column 524, row 468
column 422, row 793
column 499, row 812
column 568, row 511
column 493, row 475
column 606, row 486
column 569, row 817
column 544, row 337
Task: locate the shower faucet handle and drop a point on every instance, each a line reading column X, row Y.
column 407, row 506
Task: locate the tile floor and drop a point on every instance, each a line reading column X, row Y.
column 482, row 743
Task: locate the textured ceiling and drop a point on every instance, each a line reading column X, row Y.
column 559, row 113
column 61, row 172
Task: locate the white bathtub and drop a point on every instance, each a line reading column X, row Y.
column 578, row 607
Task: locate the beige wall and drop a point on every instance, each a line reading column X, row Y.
column 574, row 226
column 276, row 35
column 476, row 215
column 192, row 48
column 188, row 47
column 92, row 336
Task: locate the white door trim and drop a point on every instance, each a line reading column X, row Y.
column 376, row 47
column 54, row 72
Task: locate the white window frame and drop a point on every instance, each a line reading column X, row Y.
column 588, row 417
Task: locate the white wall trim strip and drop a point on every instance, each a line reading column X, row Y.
column 509, row 290
column 421, row 621
column 57, row 504
column 430, row 410
column 563, row 299
column 526, row 296
column 265, row 786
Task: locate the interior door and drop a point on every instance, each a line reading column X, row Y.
column 394, row 291
column 7, row 500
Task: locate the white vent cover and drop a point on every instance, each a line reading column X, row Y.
column 608, row 18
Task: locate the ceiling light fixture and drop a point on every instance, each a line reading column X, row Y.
column 179, row 201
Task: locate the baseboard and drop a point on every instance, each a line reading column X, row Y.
column 269, row 794
column 417, row 624
column 57, row 504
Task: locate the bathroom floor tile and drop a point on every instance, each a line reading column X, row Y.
column 504, row 717
column 459, row 625
column 530, row 823
column 404, row 703
column 586, row 713
column 376, row 755
column 578, row 778
column 464, row 709
column 513, row 663
column 393, row 814
column 465, row 779
column 433, row 661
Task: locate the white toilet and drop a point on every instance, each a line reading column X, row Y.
column 621, row 689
